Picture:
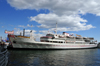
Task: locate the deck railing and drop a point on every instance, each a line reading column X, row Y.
column 3, row 56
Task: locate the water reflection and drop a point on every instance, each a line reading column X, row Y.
column 86, row 57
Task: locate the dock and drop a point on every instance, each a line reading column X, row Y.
column 3, row 55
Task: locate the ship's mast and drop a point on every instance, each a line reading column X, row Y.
column 56, row 27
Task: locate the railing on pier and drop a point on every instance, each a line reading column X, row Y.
column 3, row 56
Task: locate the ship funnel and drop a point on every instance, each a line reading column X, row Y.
column 23, row 32
column 20, row 33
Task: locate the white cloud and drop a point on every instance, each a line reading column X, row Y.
column 27, row 31
column 64, row 12
column 2, row 26
column 60, row 7
column 17, row 31
column 67, row 23
column 25, row 26
column 44, row 32
column 22, row 26
column 29, row 25
column 37, row 36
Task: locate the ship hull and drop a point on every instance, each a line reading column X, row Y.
column 53, row 46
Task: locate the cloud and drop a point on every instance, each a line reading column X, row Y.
column 25, row 26
column 29, row 25
column 17, row 31
column 59, row 7
column 44, row 32
column 22, row 26
column 64, row 12
column 2, row 26
column 67, row 23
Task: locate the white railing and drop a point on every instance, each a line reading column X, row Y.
column 3, row 57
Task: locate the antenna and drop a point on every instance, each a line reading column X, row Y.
column 31, row 26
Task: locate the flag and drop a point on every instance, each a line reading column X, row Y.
column 9, row 32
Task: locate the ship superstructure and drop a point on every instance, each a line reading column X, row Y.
column 66, row 38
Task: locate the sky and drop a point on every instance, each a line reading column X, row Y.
column 72, row 16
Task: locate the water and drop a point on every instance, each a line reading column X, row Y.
column 83, row 57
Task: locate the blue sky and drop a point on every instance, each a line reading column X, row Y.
column 73, row 16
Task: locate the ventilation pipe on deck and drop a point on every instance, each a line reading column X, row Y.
column 23, row 32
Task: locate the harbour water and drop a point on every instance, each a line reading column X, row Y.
column 81, row 57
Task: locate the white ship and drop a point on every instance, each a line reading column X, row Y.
column 52, row 41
